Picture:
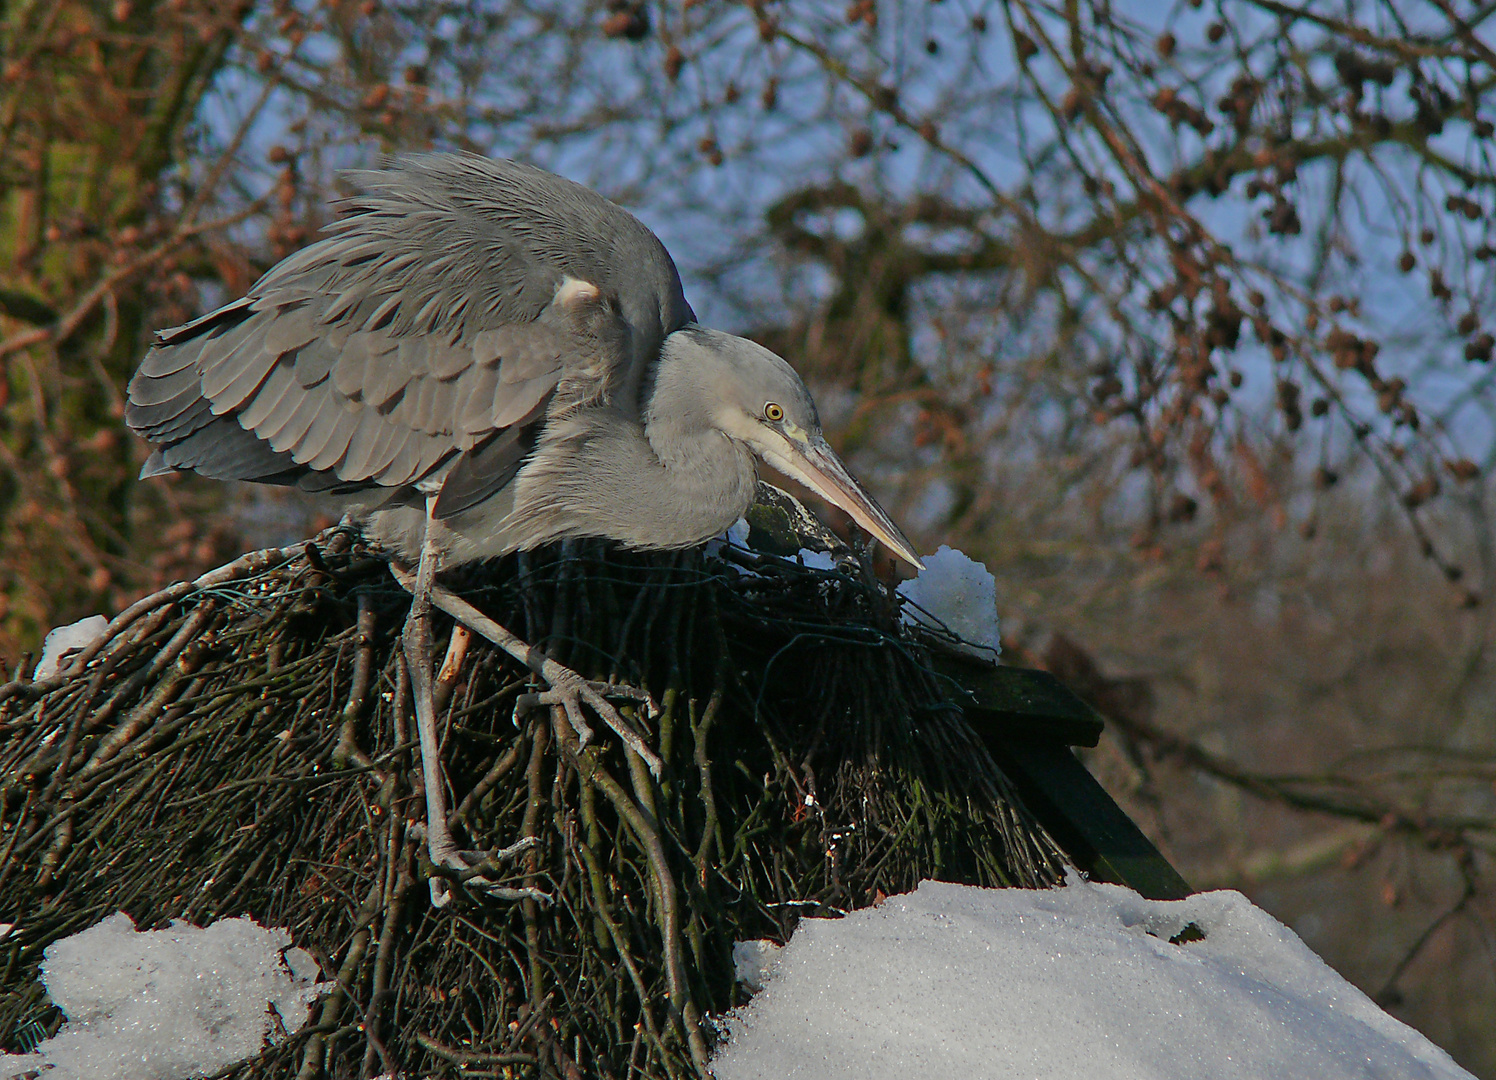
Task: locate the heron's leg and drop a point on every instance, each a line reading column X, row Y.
column 468, row 867
column 418, row 658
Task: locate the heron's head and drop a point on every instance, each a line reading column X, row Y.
column 755, row 398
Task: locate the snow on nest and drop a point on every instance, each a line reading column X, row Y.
column 957, row 591
column 182, row 1002
column 817, row 560
column 1078, row 983
column 66, row 640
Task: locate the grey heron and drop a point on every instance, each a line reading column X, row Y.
column 482, row 357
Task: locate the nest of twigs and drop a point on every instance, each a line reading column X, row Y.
column 245, row 744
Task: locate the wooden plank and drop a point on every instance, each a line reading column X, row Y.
column 1020, row 702
column 1029, row 720
column 1089, row 827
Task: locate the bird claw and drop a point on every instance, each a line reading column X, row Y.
column 629, row 693
column 558, row 693
column 569, row 687
column 469, row 868
column 570, row 692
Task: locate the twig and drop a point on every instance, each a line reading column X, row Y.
column 471, row 1057
column 68, row 325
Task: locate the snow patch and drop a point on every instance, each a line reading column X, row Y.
column 1063, row 984
column 817, row 560
column 753, row 962
column 64, row 641
column 182, row 1002
column 736, row 536
column 958, row 592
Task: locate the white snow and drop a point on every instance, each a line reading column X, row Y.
column 957, row 591
column 736, row 536
column 68, row 639
column 752, row 961
column 1080, row 983
column 182, row 1002
column 817, row 560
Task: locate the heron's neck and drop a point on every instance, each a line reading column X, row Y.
column 707, row 479
column 598, row 473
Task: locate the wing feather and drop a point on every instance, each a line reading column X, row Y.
column 224, row 359
column 488, row 346
column 358, row 462
column 225, row 451
column 280, row 382
column 389, row 450
column 289, row 435
column 405, row 467
column 385, row 378
column 352, row 374
column 403, row 411
column 316, row 359
column 386, row 449
column 291, row 327
column 320, row 432
column 335, row 443
column 174, row 420
column 483, row 471
column 412, row 355
column 521, row 400
column 447, row 359
column 476, row 413
column 442, row 418
column 421, row 409
column 162, row 361
column 253, row 368
column 280, row 411
column 529, row 356
column 147, row 391
column 383, row 313
column 206, row 325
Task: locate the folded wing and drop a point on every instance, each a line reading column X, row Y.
column 423, row 340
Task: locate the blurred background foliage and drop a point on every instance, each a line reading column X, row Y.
column 1179, row 316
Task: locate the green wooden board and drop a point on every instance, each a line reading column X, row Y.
column 1022, row 703
column 1029, row 720
column 1083, row 819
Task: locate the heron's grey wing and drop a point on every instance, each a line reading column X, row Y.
column 276, row 392
column 485, row 470
column 458, row 299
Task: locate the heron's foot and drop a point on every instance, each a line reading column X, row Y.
column 567, row 688
column 570, row 691
column 478, row 870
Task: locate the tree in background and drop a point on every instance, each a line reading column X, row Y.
column 1181, row 317
column 95, row 104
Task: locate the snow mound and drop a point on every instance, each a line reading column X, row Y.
column 182, row 1002
column 64, row 641
column 957, row 591
column 1077, row 983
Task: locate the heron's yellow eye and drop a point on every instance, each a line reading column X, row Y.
column 773, row 412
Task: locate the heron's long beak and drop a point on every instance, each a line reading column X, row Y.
column 811, row 461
